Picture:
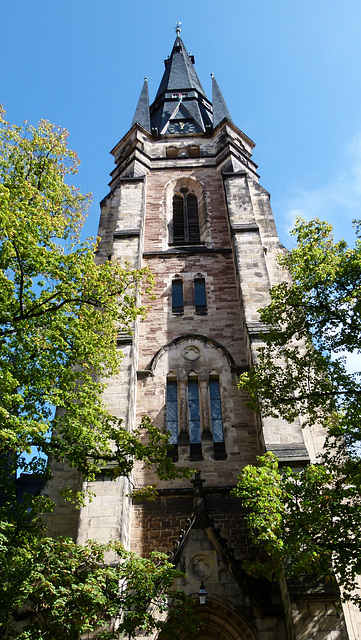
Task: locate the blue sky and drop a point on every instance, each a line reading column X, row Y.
column 290, row 72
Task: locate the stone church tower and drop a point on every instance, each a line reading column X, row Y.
column 185, row 200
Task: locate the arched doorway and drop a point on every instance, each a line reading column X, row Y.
column 219, row 622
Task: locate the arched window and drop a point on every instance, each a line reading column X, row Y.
column 200, row 299
column 177, row 296
column 185, row 218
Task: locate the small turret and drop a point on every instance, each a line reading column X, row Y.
column 220, row 109
column 142, row 115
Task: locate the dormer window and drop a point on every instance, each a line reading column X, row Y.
column 185, row 218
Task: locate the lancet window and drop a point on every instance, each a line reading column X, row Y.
column 216, row 417
column 200, row 298
column 177, row 296
column 172, row 414
column 194, row 418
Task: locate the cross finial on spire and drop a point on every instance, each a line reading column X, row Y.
column 178, row 28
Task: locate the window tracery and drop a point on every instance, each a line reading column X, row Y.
column 203, row 418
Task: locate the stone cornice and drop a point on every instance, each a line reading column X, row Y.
column 170, row 253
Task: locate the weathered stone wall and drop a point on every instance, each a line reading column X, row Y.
column 157, row 525
column 318, row 619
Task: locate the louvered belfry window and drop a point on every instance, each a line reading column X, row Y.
column 185, row 218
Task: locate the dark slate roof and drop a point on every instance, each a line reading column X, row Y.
column 180, row 96
column 220, row 109
column 179, row 71
column 142, row 115
column 180, row 83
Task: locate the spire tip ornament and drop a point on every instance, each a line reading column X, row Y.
column 178, row 28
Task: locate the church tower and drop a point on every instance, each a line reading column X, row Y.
column 185, row 200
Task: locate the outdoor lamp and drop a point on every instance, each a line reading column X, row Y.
column 202, row 594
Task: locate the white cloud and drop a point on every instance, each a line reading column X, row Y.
column 338, row 201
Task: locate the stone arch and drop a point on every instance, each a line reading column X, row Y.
column 202, row 418
column 190, row 338
column 220, row 622
column 174, row 187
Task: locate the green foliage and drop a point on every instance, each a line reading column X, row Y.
column 57, row 589
column 306, row 522
column 314, row 319
column 60, row 314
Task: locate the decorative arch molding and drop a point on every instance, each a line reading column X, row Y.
column 188, row 338
column 174, row 187
column 220, row 622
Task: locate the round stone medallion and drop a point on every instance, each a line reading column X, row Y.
column 191, row 353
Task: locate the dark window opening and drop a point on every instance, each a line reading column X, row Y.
column 219, row 449
column 185, row 219
column 177, row 296
column 171, row 152
column 195, row 452
column 200, row 298
column 194, row 152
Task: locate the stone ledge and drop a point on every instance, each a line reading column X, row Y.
column 127, row 233
column 292, row 452
column 169, row 253
column 244, row 228
column 124, row 338
column 256, row 328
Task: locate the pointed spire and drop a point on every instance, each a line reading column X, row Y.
column 220, row 109
column 142, row 115
column 180, row 81
column 179, row 71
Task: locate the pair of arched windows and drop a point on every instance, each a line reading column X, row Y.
column 186, row 228
column 200, row 402
column 200, row 296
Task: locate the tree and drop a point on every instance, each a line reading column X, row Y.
column 59, row 317
column 311, row 520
